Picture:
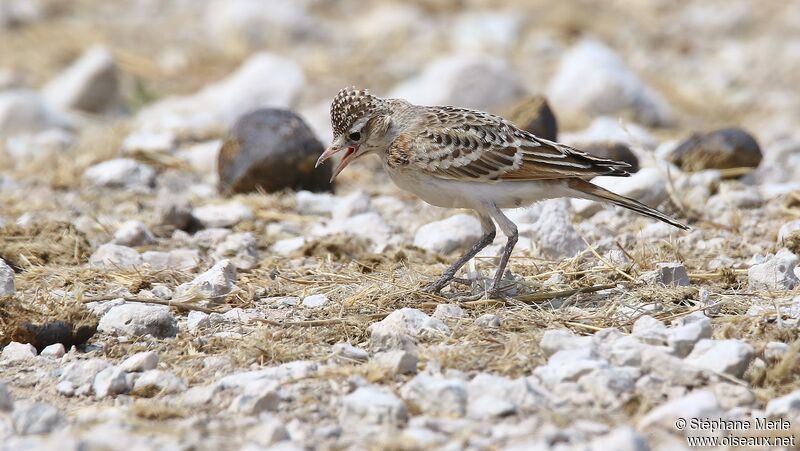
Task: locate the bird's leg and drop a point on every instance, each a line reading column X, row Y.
column 510, row 230
column 489, row 233
column 501, row 268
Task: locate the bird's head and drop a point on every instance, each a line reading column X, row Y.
column 360, row 122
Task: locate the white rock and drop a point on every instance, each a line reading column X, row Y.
column 610, row 387
column 668, row 274
column 240, row 248
column 200, row 395
column 776, row 273
column 18, row 352
column 113, row 256
column 133, row 233
column 657, row 361
column 648, row 186
column 423, row 438
column 159, row 381
column 486, row 31
column 568, row 366
column 787, row 229
column 623, row 438
column 222, row 215
column 618, row 349
column 308, row 203
column 218, row 281
column 444, row 311
column 698, row 404
column 373, row 405
column 78, row 377
column 385, row 22
column 48, row 143
column 593, row 80
column 397, row 362
column 111, row 381
column 436, row 396
column 177, row 259
column 368, row 225
column 268, row 431
column 259, row 398
column 553, row 232
column 350, row 353
column 488, row 320
column 689, row 330
column 7, row 287
column 650, row 330
column 787, row 406
column 148, row 142
column 555, row 340
column 732, row 397
column 55, row 351
column 133, row 320
column 282, row 373
column 775, row 350
column 237, row 315
column 264, row 80
column 202, row 158
column 210, row 238
column 35, row 418
column 479, row 82
column 243, row 24
column 611, row 129
column 120, row 173
column 489, row 406
column 405, row 322
column 315, row 301
column 354, row 203
column 89, row 84
column 6, row 401
column 288, row 246
column 445, row 236
column 722, row 356
column 141, row 361
column 23, row 111
column 197, row 320
column 521, row 393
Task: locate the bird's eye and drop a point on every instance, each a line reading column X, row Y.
column 355, row 136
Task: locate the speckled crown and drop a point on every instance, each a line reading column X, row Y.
column 349, row 105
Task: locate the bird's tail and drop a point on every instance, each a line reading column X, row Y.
column 595, row 192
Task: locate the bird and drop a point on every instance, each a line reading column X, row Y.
column 463, row 158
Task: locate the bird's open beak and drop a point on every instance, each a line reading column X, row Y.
column 349, row 155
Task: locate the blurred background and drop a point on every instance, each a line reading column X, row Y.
column 692, row 65
column 162, row 82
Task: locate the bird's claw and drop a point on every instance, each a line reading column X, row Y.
column 436, row 287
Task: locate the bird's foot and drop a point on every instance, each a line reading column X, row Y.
column 459, row 298
column 435, row 287
column 496, row 294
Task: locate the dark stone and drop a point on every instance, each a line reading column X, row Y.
column 613, row 151
column 46, row 334
column 271, row 149
column 534, row 115
column 726, row 148
column 69, row 324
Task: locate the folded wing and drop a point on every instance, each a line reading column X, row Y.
column 465, row 144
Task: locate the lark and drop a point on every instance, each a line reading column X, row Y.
column 462, row 158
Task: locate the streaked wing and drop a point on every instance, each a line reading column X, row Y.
column 470, row 145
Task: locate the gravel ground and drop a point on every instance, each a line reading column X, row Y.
column 152, row 298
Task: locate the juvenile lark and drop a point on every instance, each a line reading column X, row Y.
column 460, row 158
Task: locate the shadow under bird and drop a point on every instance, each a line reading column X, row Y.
column 461, row 158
